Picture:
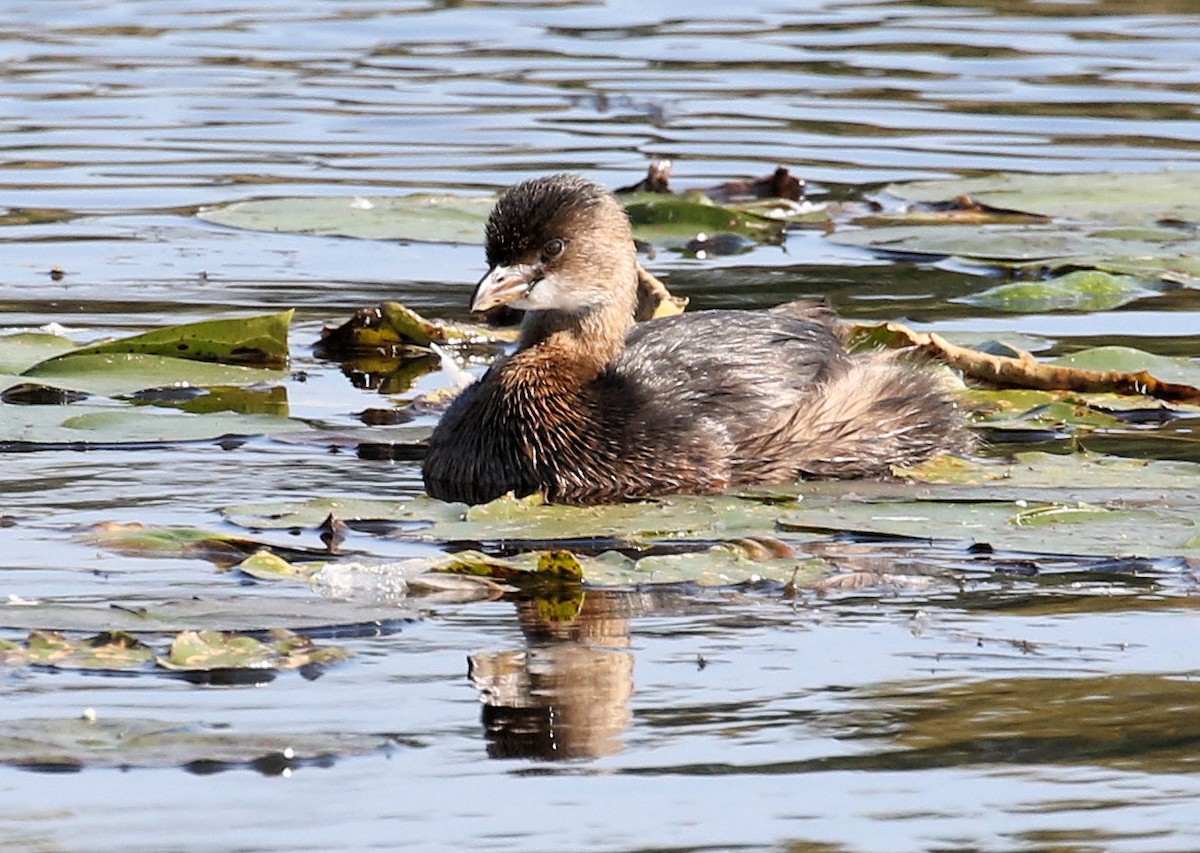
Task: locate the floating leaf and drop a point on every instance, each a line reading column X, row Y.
column 281, row 516
column 45, row 744
column 82, row 425
column 674, row 220
column 420, row 217
column 259, row 341
column 264, row 565
column 22, row 351
column 234, row 611
column 679, row 517
column 114, row 374
column 393, row 330
column 1017, row 244
column 1083, row 290
column 1126, row 198
column 1132, row 361
column 205, row 651
column 110, row 650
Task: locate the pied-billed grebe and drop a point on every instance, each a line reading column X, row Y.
column 593, row 409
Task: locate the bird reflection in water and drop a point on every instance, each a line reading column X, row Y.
column 566, row 695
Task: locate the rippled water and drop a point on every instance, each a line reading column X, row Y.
column 996, row 716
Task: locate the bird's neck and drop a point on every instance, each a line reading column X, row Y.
column 583, row 342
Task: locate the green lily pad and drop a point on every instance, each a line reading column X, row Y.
column 674, row 220
column 1125, row 198
column 1177, row 267
column 1082, row 290
column 116, row 374
column 679, row 517
column 283, row 516
column 133, row 742
column 266, row 566
column 205, row 651
column 259, row 341
column 667, row 219
column 419, row 217
column 1130, row 360
column 23, row 350
column 110, row 650
column 1016, row 244
column 83, row 425
column 234, row 611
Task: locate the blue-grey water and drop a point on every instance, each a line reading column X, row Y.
column 732, row 720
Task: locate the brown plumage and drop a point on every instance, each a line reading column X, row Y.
column 593, row 409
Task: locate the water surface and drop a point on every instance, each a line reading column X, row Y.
column 976, row 713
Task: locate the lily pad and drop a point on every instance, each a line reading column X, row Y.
column 658, row 218
column 419, row 217
column 675, row 220
column 392, row 330
column 109, row 650
column 115, row 374
column 81, row 425
column 23, row 350
column 680, row 517
column 205, row 651
column 1016, row 244
column 282, row 516
column 231, row 612
column 263, row 565
column 55, row 744
column 1123, row 198
column 1082, row 290
column 260, row 341
column 1130, row 360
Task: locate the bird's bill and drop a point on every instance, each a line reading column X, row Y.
column 501, row 286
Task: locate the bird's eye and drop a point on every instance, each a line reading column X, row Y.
column 553, row 249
